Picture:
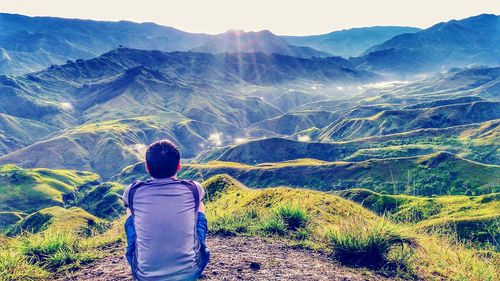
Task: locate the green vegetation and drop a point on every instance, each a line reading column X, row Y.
column 72, row 220
column 360, row 242
column 29, row 190
column 306, row 218
column 435, row 174
column 39, row 256
column 404, row 120
column 53, row 250
column 9, row 218
column 352, row 234
column 470, row 218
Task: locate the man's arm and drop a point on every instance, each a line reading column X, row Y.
column 125, row 200
column 201, row 208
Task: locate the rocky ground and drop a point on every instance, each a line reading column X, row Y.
column 240, row 258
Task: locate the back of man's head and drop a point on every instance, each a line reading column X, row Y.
column 162, row 159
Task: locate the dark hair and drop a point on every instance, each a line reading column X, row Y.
column 162, row 158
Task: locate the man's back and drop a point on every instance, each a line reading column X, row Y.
column 167, row 247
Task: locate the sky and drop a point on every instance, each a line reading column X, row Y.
column 292, row 17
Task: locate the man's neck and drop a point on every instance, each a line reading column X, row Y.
column 171, row 178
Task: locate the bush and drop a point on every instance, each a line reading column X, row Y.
column 359, row 242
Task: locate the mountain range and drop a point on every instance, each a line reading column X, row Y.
column 350, row 42
column 33, row 43
column 471, row 41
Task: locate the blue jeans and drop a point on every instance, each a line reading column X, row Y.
column 201, row 232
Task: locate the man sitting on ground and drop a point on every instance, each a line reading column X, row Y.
column 166, row 224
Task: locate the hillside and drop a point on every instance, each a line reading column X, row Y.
column 473, row 40
column 474, row 141
column 59, row 219
column 434, row 174
column 29, row 190
column 350, row 42
column 128, row 98
column 470, row 217
column 397, row 121
column 264, row 41
column 235, row 210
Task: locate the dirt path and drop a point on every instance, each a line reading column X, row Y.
column 240, row 258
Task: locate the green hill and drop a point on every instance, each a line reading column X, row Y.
column 402, row 120
column 291, row 123
column 435, row 174
column 9, row 218
column 234, row 209
column 470, row 217
column 29, row 190
column 473, row 141
column 61, row 220
column 16, row 132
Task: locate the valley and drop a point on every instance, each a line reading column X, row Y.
column 299, row 142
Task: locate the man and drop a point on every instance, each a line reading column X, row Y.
column 166, row 225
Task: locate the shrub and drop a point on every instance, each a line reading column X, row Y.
column 364, row 243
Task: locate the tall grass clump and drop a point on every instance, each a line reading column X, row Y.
column 273, row 225
column 359, row 242
column 233, row 224
column 293, row 217
column 55, row 251
column 446, row 258
column 286, row 219
column 14, row 266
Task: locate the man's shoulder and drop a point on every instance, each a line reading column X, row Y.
column 126, row 192
column 198, row 185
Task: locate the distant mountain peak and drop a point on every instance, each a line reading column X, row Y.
column 263, row 41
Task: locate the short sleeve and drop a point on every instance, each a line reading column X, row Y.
column 125, row 195
column 201, row 190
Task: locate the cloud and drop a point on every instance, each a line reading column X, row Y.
column 67, row 106
column 215, row 138
column 304, row 138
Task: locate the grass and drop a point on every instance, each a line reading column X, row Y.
column 54, row 251
column 39, row 256
column 364, row 243
column 14, row 266
column 29, row 190
column 471, row 218
column 74, row 220
column 430, row 175
column 307, row 218
column 293, row 217
column 346, row 230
